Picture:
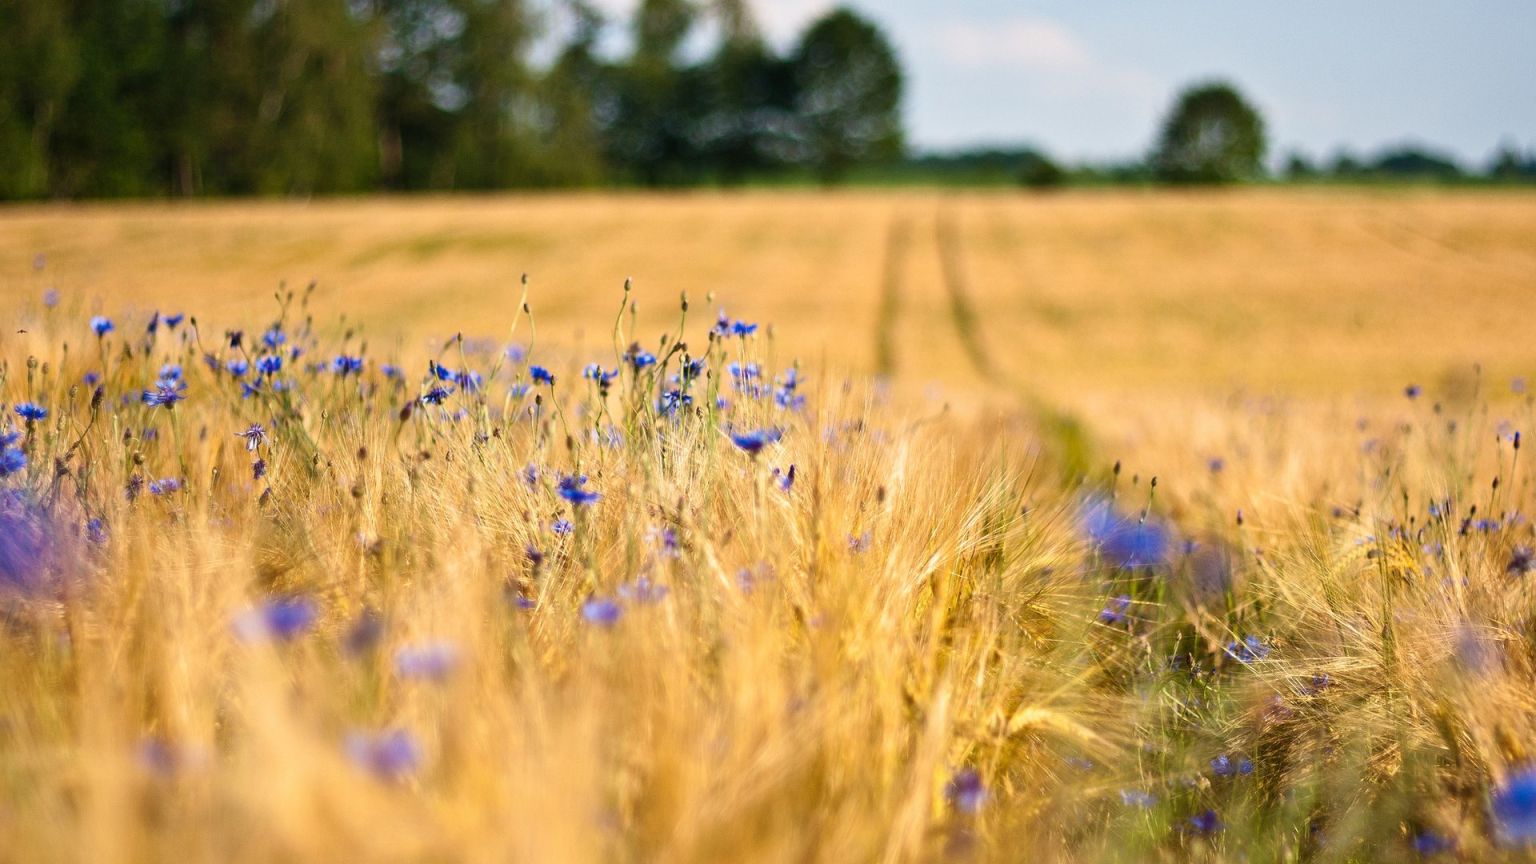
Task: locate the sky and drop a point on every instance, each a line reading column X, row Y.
column 1091, row 79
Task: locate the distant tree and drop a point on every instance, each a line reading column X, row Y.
column 649, row 133
column 39, row 66
column 1509, row 165
column 849, row 95
column 1346, row 165
column 746, row 122
column 1416, row 162
column 1299, row 167
column 1039, row 171
column 574, row 92
column 1212, row 135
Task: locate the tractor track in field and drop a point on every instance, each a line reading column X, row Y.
column 898, row 237
column 957, row 286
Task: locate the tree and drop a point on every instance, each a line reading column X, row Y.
column 849, row 87
column 649, row 136
column 1211, row 136
column 746, row 123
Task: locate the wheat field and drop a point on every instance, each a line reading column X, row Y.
column 1089, row 527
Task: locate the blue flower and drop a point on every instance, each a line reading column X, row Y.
column 237, row 367
column 51, row 297
column 753, row 442
column 91, row 378
column 436, row 396
column 280, row 620
column 541, row 375
column 570, row 488
column 254, row 436
column 1206, row 822
column 1412, row 391
column 1223, row 766
column 1247, row 651
column 391, row 371
column 31, row 412
column 516, row 353
column 641, row 359
column 274, row 338
column 1127, row 543
column 102, row 325
column 12, row 461
column 1514, row 808
column 26, row 544
column 1115, row 612
column 170, row 372
column 595, row 373
column 164, row 487
column 165, row 394
column 1137, row 798
column 387, row 756
column 785, row 479
column 965, row 791
column 434, row 661
column 173, row 321
column 345, row 365
column 601, row 611
column 562, row 527
column 643, row 590
column 269, row 364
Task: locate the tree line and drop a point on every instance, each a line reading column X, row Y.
column 191, row 97
column 102, row 98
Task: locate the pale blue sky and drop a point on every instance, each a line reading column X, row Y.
column 1090, row 79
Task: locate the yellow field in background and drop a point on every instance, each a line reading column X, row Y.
column 1318, row 292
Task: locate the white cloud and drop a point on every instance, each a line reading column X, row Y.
column 1028, row 43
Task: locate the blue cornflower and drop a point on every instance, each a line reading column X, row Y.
column 570, row 488
column 743, row 329
column 96, row 531
column 693, row 369
column 562, row 527
column 744, row 371
column 643, row 590
column 91, row 378
column 102, row 325
column 173, row 321
column 601, row 611
column 1223, row 766
column 641, row 359
column 269, row 364
column 31, row 412
column 280, row 620
column 1125, row 542
column 1115, row 612
column 434, row 661
column 785, row 479
column 436, row 395
column 1137, row 798
column 439, row 371
column 170, row 372
column 51, row 297
column 274, row 338
column 1514, row 808
column 1206, row 822
column 516, row 353
column 391, row 371
column 753, row 442
column 1247, row 651
column 518, row 390
column 254, row 436
column 388, row 756
column 965, row 791
column 237, row 367
column 541, row 375
column 469, row 382
column 12, row 461
column 1412, row 391
column 165, row 394
column 344, row 365
column 595, row 373
column 164, row 487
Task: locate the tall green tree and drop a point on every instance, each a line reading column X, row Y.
column 649, row 136
column 39, row 66
column 746, row 121
column 849, row 87
column 574, row 89
column 1211, row 136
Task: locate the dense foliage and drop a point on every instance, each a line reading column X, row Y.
column 187, row 97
